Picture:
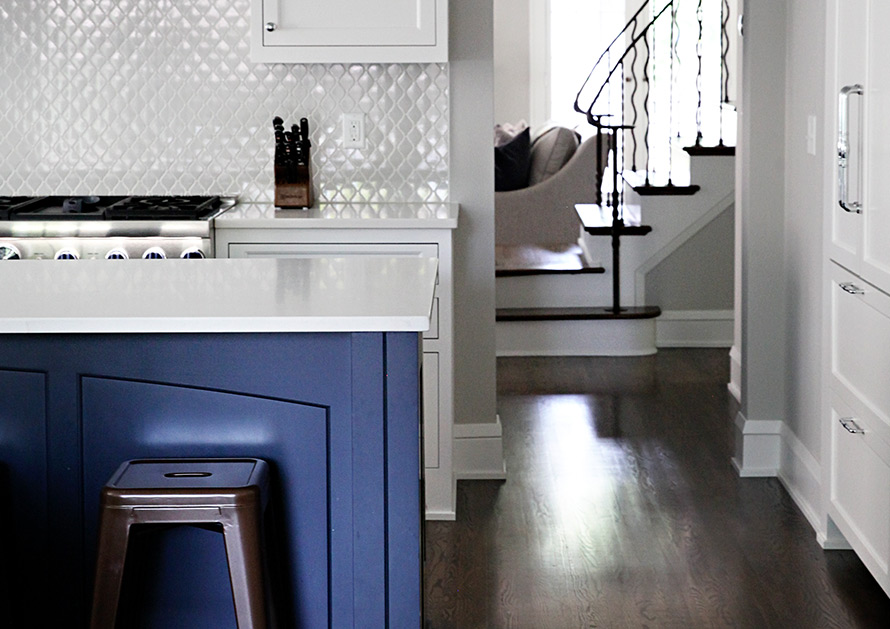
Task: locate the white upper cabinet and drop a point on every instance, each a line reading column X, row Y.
column 860, row 225
column 846, row 225
column 349, row 31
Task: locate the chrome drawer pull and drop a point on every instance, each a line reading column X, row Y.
column 850, row 426
column 851, row 288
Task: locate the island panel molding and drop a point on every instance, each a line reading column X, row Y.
column 336, row 415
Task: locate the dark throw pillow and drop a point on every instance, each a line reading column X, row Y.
column 511, row 162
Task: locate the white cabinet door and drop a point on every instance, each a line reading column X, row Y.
column 860, row 489
column 309, row 31
column 860, row 222
column 846, row 225
column 876, row 215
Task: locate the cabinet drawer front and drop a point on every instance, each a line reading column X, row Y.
column 338, row 250
column 860, row 337
column 860, row 486
column 351, row 23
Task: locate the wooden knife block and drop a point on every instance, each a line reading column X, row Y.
column 293, row 190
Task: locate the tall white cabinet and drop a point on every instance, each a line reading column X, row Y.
column 349, row 31
column 858, row 279
column 256, row 230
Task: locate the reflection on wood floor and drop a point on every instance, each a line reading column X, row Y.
column 622, row 509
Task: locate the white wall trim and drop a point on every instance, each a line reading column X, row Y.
column 662, row 254
column 539, row 62
column 694, row 328
column 479, row 451
column 758, row 447
column 801, row 474
column 605, row 337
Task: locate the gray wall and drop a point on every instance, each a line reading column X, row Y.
column 760, row 199
column 805, row 90
column 699, row 274
column 472, row 185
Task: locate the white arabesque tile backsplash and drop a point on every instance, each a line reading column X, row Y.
column 160, row 97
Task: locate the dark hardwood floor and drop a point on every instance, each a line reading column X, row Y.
column 622, row 509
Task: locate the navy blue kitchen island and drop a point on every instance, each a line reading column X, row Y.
column 335, row 413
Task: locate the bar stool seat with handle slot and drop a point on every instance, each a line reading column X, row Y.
column 229, row 492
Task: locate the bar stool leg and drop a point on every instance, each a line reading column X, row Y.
column 114, row 535
column 242, row 528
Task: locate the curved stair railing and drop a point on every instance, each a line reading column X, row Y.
column 656, row 83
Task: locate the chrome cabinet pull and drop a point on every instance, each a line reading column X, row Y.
column 843, row 148
column 851, row 288
column 850, row 426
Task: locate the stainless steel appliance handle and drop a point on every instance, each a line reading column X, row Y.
column 851, row 426
column 843, row 148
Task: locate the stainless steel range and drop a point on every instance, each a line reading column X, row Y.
column 71, row 228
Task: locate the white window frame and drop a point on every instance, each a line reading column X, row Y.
column 539, row 62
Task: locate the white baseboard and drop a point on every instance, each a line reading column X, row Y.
column 479, row 451
column 758, row 447
column 694, row 328
column 735, row 373
column 604, row 337
column 800, row 474
column 766, row 448
column 441, row 494
column 833, row 539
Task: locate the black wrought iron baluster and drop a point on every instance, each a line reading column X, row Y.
column 672, row 49
column 724, row 64
column 655, row 102
column 620, row 147
column 698, row 79
column 609, row 88
column 648, row 83
column 633, row 107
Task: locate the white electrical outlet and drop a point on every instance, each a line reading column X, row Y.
column 353, row 131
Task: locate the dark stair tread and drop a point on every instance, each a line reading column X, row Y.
column 669, row 190
column 719, row 150
column 597, row 220
column 556, row 259
column 586, row 313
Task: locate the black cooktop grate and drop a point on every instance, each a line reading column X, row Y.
column 153, row 208
column 120, row 208
column 11, row 204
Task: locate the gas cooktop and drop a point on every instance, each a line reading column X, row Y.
column 112, row 227
column 116, row 208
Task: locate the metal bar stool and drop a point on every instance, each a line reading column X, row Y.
column 229, row 492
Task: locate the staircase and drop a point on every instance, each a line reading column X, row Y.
column 671, row 173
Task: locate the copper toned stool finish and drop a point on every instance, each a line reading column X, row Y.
column 229, row 492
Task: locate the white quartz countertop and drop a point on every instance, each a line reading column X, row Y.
column 350, row 294
column 342, row 216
